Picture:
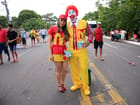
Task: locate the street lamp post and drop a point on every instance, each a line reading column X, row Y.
column 7, row 10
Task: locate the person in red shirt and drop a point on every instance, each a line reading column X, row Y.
column 3, row 44
column 57, row 38
column 98, row 42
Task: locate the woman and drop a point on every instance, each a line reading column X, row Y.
column 58, row 35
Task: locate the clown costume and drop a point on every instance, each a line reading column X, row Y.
column 77, row 45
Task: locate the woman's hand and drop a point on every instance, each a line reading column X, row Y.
column 51, row 57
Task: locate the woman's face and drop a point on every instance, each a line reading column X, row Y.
column 62, row 22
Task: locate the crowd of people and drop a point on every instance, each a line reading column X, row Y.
column 123, row 34
column 35, row 35
column 18, row 39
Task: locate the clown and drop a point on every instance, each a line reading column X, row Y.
column 77, row 45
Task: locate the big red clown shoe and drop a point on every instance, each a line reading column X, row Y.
column 79, row 61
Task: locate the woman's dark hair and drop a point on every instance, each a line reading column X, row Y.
column 64, row 29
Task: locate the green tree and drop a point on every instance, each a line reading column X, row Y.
column 15, row 22
column 91, row 16
column 24, row 15
column 4, row 21
column 119, row 14
column 35, row 23
column 50, row 19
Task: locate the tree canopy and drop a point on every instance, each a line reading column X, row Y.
column 30, row 19
column 35, row 23
column 4, row 21
column 117, row 14
column 27, row 14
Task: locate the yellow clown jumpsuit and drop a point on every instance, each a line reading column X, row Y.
column 79, row 60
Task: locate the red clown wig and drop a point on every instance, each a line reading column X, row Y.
column 71, row 7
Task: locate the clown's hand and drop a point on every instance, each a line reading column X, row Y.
column 86, row 44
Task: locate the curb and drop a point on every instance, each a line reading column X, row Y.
column 129, row 42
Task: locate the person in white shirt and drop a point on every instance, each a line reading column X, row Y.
column 123, row 32
column 43, row 33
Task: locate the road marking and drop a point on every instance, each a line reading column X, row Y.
column 109, row 45
column 84, row 100
column 115, row 96
column 100, row 98
column 108, row 86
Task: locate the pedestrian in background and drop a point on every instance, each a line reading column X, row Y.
column 3, row 44
column 123, row 32
column 12, row 41
column 23, row 37
column 57, row 38
column 38, row 37
column 112, row 35
column 98, row 42
column 43, row 32
column 19, row 40
column 33, row 35
column 135, row 33
column 127, row 34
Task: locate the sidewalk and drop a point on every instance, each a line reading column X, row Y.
column 126, row 41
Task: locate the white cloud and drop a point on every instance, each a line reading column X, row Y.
column 46, row 6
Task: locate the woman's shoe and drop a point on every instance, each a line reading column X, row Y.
column 60, row 88
column 63, row 87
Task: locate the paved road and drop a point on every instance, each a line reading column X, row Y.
column 124, row 77
column 32, row 81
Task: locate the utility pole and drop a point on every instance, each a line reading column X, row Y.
column 7, row 10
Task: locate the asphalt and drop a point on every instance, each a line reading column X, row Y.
column 116, row 68
column 32, row 81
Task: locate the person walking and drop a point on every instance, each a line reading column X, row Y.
column 23, row 37
column 3, row 44
column 33, row 35
column 12, row 41
column 44, row 34
column 98, row 42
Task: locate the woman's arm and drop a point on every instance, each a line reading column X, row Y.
column 50, row 47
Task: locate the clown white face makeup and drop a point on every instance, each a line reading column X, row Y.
column 72, row 15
